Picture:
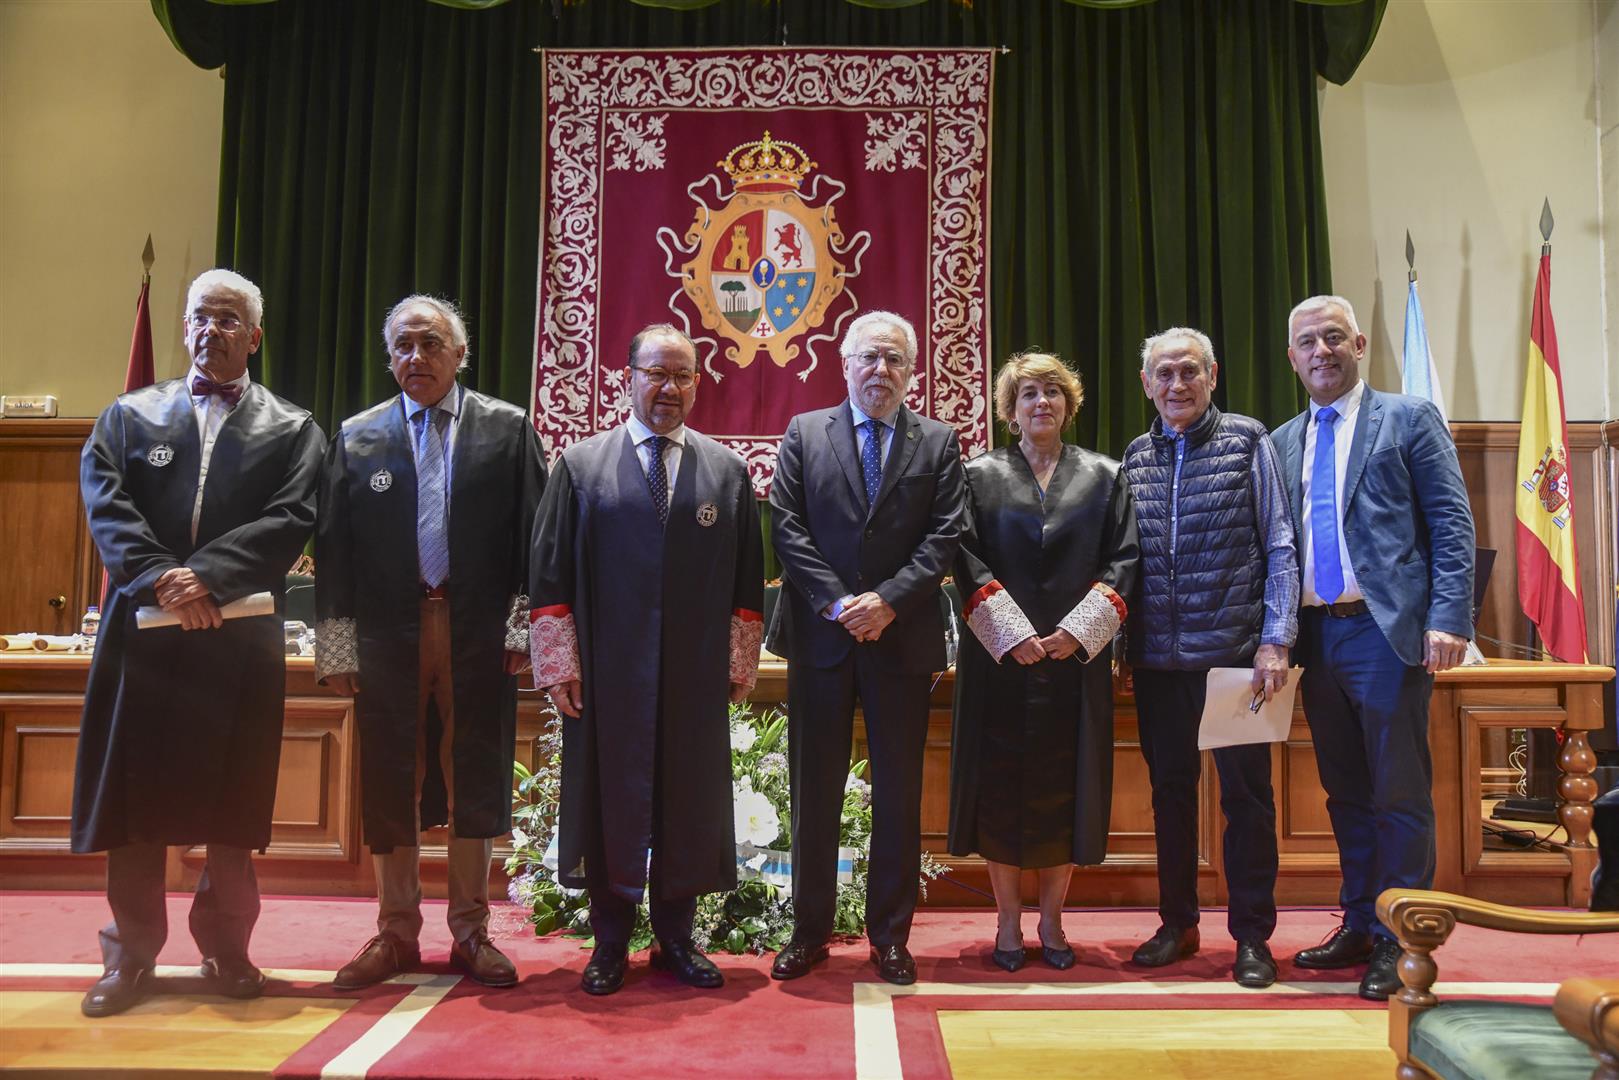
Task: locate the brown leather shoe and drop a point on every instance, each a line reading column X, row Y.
column 478, row 957
column 381, row 958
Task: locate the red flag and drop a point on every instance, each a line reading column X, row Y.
column 140, row 343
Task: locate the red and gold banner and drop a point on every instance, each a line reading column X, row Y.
column 759, row 200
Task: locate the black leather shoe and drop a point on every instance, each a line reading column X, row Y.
column 797, row 959
column 1382, row 976
column 685, row 961
column 1166, row 947
column 1062, row 959
column 1345, row 948
column 117, row 990
column 234, row 977
column 1008, row 959
column 894, row 964
column 1255, row 967
column 605, row 972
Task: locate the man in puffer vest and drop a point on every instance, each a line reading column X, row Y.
column 1219, row 588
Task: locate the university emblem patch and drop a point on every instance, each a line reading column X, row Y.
column 707, row 514
column 764, row 269
column 160, row 455
column 381, row 480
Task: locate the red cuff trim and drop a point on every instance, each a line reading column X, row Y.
column 748, row 615
column 980, row 596
column 1115, row 599
column 555, row 611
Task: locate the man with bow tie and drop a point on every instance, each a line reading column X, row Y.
column 199, row 491
column 421, row 554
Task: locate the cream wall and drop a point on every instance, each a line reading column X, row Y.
column 1463, row 117
column 106, row 133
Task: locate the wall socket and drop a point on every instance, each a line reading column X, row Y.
column 34, row 405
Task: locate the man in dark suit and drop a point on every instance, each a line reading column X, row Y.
column 199, row 491
column 1386, row 543
column 421, row 567
column 866, row 516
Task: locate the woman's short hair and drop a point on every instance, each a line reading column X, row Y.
column 1043, row 366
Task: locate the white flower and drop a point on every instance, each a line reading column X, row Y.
column 756, row 862
column 519, row 837
column 743, row 737
column 757, row 822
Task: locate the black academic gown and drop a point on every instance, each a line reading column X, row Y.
column 368, row 590
column 1031, row 767
column 653, row 610
column 181, row 735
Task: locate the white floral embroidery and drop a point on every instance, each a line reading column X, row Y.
column 554, row 649
column 998, row 623
column 899, row 139
column 337, row 648
column 634, row 141
column 746, row 637
column 1093, row 622
column 517, row 625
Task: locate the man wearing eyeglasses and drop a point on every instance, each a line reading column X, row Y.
column 647, row 584
column 866, row 512
column 421, row 561
column 199, row 491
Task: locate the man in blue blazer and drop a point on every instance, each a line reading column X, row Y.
column 1386, row 547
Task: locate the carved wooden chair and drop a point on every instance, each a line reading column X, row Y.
column 1497, row 1040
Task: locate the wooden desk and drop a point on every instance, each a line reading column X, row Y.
column 316, row 846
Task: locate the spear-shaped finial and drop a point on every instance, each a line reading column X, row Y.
column 1410, row 257
column 1546, row 224
column 148, row 257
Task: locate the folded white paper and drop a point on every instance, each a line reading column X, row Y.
column 259, row 603
column 1228, row 716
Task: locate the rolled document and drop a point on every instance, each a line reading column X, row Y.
column 259, row 603
column 38, row 642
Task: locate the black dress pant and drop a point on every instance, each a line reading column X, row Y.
column 1169, row 707
column 612, row 917
column 820, row 734
column 223, row 911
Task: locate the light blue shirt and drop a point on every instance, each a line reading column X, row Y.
column 450, row 403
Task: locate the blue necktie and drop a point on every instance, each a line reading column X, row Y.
column 432, row 542
column 1329, row 570
column 657, row 479
column 871, row 461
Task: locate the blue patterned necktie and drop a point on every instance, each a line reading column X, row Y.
column 1329, row 570
column 432, row 541
column 871, row 461
column 657, row 479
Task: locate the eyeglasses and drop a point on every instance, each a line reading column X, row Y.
column 226, row 324
column 870, row 357
column 683, row 380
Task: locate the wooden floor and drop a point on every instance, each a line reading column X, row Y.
column 1149, row 1044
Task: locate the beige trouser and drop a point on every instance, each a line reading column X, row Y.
column 399, row 880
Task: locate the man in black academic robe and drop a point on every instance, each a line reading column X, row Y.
column 199, row 491
column 421, row 558
column 866, row 516
column 647, row 586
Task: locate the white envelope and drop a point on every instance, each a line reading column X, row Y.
column 148, row 616
column 1228, row 716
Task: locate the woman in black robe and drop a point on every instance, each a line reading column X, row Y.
column 1047, row 558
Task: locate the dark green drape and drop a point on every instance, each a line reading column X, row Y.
column 1153, row 165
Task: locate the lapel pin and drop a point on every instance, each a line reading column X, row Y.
column 381, row 480
column 160, row 455
column 707, row 514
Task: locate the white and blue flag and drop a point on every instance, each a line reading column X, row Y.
column 1420, row 378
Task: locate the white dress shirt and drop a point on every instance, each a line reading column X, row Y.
column 211, row 412
column 1343, row 436
column 673, row 447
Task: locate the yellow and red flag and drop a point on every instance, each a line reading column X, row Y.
column 1548, row 563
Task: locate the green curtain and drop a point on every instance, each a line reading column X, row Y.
column 1154, row 164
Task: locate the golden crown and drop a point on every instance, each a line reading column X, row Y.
column 768, row 163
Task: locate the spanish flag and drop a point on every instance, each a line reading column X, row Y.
column 1548, row 566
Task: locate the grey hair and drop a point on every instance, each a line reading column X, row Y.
column 880, row 318
column 659, row 329
column 1322, row 301
column 444, row 308
column 1175, row 333
column 229, row 281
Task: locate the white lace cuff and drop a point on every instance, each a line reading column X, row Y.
column 553, row 645
column 1095, row 619
column 337, row 648
column 517, row 625
column 996, row 620
column 747, row 634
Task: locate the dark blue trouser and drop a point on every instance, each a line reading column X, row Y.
column 1368, row 715
column 1169, row 705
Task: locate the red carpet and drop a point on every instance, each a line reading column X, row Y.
column 547, row 1027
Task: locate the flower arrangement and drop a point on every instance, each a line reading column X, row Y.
column 757, row 916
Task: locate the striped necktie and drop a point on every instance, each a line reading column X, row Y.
column 432, row 538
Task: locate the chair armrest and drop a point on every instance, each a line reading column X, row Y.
column 1588, row 1009
column 1418, row 910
